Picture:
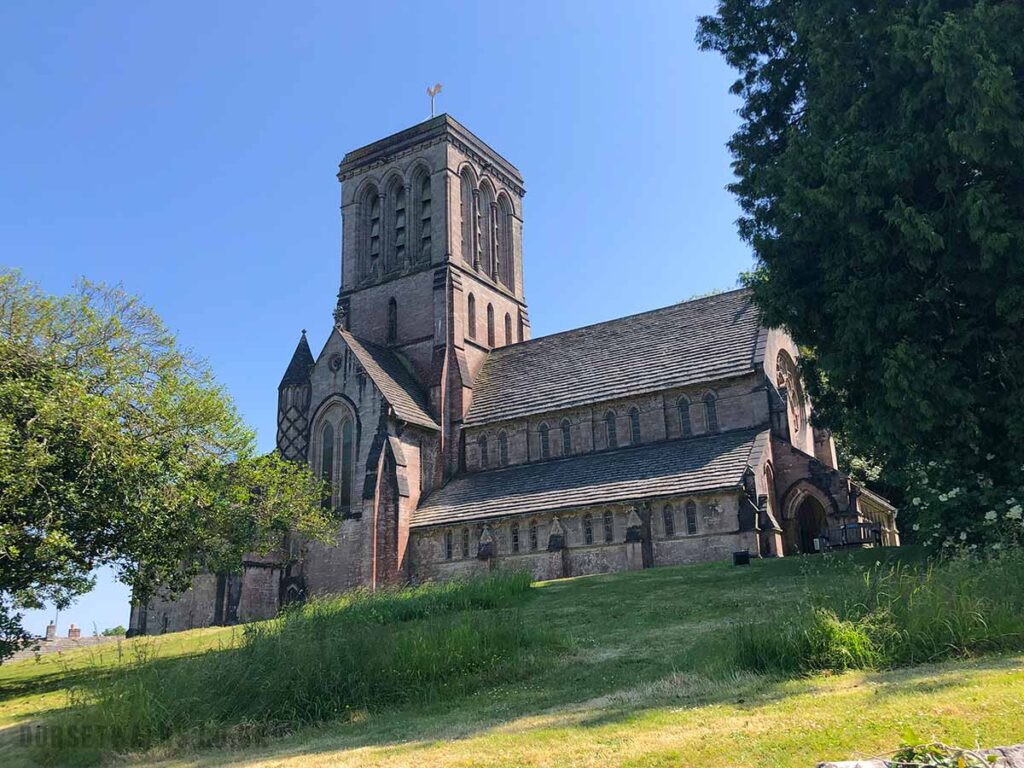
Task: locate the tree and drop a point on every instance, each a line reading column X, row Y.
column 880, row 167
column 117, row 631
column 117, row 447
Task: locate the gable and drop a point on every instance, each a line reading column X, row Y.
column 696, row 341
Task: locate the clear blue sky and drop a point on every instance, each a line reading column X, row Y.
column 189, row 151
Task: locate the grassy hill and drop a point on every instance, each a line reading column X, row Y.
column 634, row 669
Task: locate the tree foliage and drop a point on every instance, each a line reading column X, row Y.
column 117, row 447
column 880, row 167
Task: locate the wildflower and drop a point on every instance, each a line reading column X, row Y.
column 989, row 456
column 943, row 497
column 1014, row 512
column 997, row 545
column 963, row 535
column 916, row 501
column 990, row 516
column 917, row 527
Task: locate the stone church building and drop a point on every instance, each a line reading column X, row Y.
column 454, row 443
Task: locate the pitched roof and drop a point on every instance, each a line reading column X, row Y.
column 656, row 470
column 393, row 378
column 298, row 369
column 695, row 341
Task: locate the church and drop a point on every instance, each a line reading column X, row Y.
column 453, row 443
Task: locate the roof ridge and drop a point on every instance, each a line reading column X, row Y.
column 567, row 331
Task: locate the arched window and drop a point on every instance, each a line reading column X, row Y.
column 634, row 426
column 669, row 519
column 503, row 448
column 468, row 216
column 533, row 534
column 449, row 545
column 515, row 537
column 490, row 325
column 347, row 462
column 484, row 458
column 471, row 316
column 588, row 529
column 691, row 517
column 327, row 464
column 710, row 412
column 611, row 429
column 425, row 213
column 503, row 238
column 685, row 430
column 545, row 442
column 609, row 526
column 398, row 227
column 486, row 217
column 465, row 542
column 508, row 328
column 566, row 437
column 392, row 321
column 369, row 209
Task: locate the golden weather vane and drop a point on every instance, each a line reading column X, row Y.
column 432, row 92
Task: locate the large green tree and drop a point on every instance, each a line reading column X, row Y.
column 880, row 166
column 118, row 448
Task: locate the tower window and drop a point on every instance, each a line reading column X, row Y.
column 425, row 214
column 685, row 429
column 471, row 316
column 691, row 518
column 609, row 527
column 503, row 448
column 370, row 208
column 392, row 321
column 566, row 437
column 400, row 231
column 503, row 241
column 490, row 325
column 611, row 429
column 588, row 529
column 668, row 517
column 486, row 219
column 468, row 216
column 711, row 412
column 508, row 328
column 634, row 426
column 545, row 442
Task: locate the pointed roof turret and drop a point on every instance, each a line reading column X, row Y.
column 298, row 368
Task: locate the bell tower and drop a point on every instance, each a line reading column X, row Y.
column 432, row 258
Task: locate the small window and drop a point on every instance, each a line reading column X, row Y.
column 471, row 316
column 609, row 527
column 448, row 545
column 533, row 534
column 610, row 428
column 508, row 328
column 691, row 518
column 465, row 542
column 515, row 537
column 634, row 426
column 545, row 442
column 503, row 448
column 484, row 458
column 588, row 529
column 669, row 518
column 710, row 412
column 392, row 321
column 566, row 437
column 685, row 430
column 490, row 325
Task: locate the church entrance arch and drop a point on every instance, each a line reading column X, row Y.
column 811, row 523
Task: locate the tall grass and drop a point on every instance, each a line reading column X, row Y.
column 329, row 659
column 893, row 615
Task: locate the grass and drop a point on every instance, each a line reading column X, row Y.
column 645, row 676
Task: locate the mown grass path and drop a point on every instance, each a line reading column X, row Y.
column 645, row 683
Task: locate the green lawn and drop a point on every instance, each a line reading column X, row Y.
column 643, row 683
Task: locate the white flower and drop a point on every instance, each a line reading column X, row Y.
column 943, row 497
column 917, row 527
column 989, row 456
column 997, row 545
column 963, row 535
column 991, row 515
column 1014, row 512
column 916, row 501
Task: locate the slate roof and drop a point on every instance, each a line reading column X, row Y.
column 688, row 343
column 394, row 379
column 660, row 469
column 298, row 369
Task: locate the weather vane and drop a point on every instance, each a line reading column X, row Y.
column 432, row 92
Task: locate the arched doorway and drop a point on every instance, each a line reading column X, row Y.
column 811, row 522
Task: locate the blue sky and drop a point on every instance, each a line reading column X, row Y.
column 189, row 151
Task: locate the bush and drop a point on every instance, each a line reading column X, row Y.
column 894, row 615
column 329, row 659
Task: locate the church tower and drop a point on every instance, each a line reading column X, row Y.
column 432, row 259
